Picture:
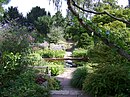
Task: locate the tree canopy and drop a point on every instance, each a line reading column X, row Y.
column 81, row 9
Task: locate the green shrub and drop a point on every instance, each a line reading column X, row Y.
column 24, row 86
column 56, row 68
column 53, row 84
column 52, row 53
column 108, row 80
column 10, row 66
column 54, row 71
column 78, row 77
column 80, row 52
column 103, row 54
column 16, row 80
column 35, row 59
column 15, row 41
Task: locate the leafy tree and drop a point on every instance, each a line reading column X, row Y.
column 85, row 41
column 43, row 24
column 35, row 19
column 111, row 49
column 13, row 14
column 58, row 20
column 36, row 12
column 56, row 34
column 78, row 9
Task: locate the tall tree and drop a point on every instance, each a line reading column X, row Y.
column 33, row 20
column 58, row 19
column 13, row 14
column 77, row 9
column 36, row 12
column 42, row 24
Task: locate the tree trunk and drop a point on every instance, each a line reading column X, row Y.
column 112, row 45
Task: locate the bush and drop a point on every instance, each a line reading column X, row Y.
column 24, row 86
column 15, row 41
column 108, row 80
column 49, row 82
column 11, row 65
column 78, row 77
column 80, row 52
column 35, row 59
column 53, row 84
column 46, row 53
column 103, row 54
column 56, row 68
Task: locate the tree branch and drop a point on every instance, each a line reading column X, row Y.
column 98, row 13
column 103, row 39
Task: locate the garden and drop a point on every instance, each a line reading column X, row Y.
column 18, row 76
column 103, row 41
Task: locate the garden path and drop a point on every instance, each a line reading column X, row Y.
column 67, row 90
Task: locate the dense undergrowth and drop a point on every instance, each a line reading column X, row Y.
column 17, row 77
column 105, row 74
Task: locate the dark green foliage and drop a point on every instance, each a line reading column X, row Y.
column 78, row 77
column 85, row 41
column 73, row 32
column 15, row 40
column 42, row 25
column 34, row 23
column 58, row 20
column 53, row 84
column 24, row 86
column 102, row 54
column 35, row 13
column 13, row 14
column 108, row 80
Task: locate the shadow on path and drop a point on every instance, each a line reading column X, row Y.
column 67, row 90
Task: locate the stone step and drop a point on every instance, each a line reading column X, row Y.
column 66, row 92
column 64, row 96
